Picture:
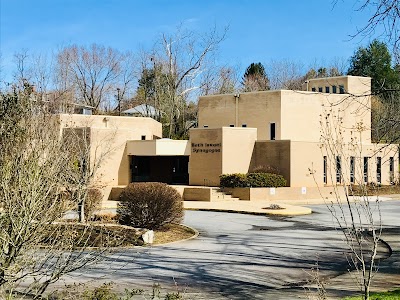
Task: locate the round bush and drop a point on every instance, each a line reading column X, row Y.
column 149, row 205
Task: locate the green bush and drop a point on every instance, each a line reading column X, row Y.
column 252, row 180
column 149, row 205
column 233, row 180
column 265, row 180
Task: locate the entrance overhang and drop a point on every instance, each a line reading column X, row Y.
column 161, row 147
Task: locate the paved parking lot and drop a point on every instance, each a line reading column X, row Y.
column 239, row 256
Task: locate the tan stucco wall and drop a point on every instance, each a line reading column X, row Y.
column 275, row 154
column 256, row 109
column 163, row 147
column 197, row 194
column 108, row 140
column 297, row 114
column 219, row 151
column 238, row 146
column 287, row 193
column 307, row 166
column 205, row 166
column 354, row 85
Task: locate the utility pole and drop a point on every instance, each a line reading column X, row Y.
column 119, row 102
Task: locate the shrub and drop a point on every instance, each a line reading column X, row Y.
column 149, row 205
column 252, row 180
column 265, row 180
column 265, row 169
column 233, row 180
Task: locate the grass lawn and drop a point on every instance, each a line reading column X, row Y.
column 391, row 295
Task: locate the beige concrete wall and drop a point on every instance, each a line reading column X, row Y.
column 205, row 162
column 197, row 194
column 108, row 144
column 275, row 154
column 255, row 109
column 307, row 166
column 308, row 116
column 219, row 151
column 164, row 147
column 354, row 85
column 298, row 115
column 238, row 146
column 287, row 193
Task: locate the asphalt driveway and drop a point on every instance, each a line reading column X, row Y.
column 240, row 256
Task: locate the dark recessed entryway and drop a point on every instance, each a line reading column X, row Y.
column 167, row 169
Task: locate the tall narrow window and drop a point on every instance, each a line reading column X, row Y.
column 365, row 169
column 338, row 169
column 313, row 89
column 143, row 137
column 334, row 89
column 391, row 169
column 352, row 169
column 320, row 89
column 341, row 89
column 379, row 169
column 272, row 133
column 327, row 89
column 325, row 169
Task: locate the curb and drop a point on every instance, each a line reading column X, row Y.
column 255, row 213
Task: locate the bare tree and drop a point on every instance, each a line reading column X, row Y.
column 182, row 58
column 34, row 171
column 92, row 73
column 358, row 218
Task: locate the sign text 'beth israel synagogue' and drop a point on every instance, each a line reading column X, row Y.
column 206, row 148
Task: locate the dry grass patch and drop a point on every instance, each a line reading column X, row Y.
column 172, row 233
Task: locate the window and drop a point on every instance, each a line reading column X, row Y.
column 366, row 169
column 325, row 169
column 272, row 131
column 379, row 169
column 391, row 169
column 313, row 89
column 244, row 125
column 341, row 89
column 334, row 89
column 205, row 126
column 327, row 89
column 320, row 89
column 143, row 137
column 231, row 125
column 338, row 169
column 352, row 169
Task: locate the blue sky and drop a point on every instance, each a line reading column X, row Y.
column 259, row 30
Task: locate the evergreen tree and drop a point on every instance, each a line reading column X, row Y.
column 375, row 61
column 255, row 78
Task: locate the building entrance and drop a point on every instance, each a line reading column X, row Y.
column 167, row 169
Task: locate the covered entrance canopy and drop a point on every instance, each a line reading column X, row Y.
column 161, row 160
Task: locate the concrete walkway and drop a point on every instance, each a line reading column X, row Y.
column 249, row 207
column 283, row 207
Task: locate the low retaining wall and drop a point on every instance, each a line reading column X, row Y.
column 286, row 193
column 197, row 193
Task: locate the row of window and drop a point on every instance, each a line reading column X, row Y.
column 328, row 89
column 339, row 173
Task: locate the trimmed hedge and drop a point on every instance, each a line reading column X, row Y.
column 252, row 180
column 149, row 205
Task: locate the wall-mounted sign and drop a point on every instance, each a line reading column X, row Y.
column 206, row 147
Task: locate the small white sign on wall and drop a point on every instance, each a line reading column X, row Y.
column 303, row 190
column 272, row 191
